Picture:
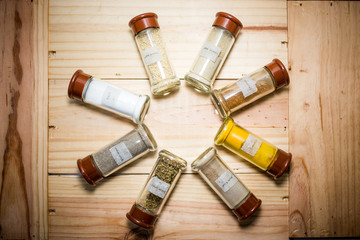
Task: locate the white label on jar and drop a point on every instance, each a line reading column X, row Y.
column 210, row 51
column 251, row 145
column 226, row 181
column 120, row 153
column 151, row 55
column 110, row 97
column 158, row 187
column 247, row 86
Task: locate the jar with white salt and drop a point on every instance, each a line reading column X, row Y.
column 117, row 154
column 92, row 90
column 226, row 184
column 213, row 53
column 250, row 88
column 146, row 29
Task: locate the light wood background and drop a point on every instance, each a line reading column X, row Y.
column 44, row 197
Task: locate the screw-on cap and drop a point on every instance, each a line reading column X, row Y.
column 279, row 72
column 229, row 22
column 141, row 218
column 280, row 164
column 88, row 170
column 77, row 84
column 143, row 21
column 247, row 208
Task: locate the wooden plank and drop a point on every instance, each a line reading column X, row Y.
column 40, row 121
column 184, row 122
column 95, row 36
column 324, row 117
column 23, row 180
column 79, row 211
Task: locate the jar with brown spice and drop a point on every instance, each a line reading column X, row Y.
column 214, row 51
column 226, row 184
column 250, row 88
column 117, row 154
column 146, row 29
column 158, row 187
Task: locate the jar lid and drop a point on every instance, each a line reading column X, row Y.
column 247, row 208
column 77, row 84
column 88, row 170
column 143, row 21
column 229, row 22
column 279, row 72
column 280, row 164
column 141, row 218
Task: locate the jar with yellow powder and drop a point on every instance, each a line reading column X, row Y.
column 146, row 29
column 253, row 148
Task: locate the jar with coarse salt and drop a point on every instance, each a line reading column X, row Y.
column 117, row 154
column 213, row 53
column 226, row 184
column 158, row 187
column 256, row 150
column 92, row 90
column 250, row 88
column 146, row 29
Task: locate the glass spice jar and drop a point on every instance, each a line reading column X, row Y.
column 89, row 89
column 146, row 29
column 117, row 154
column 250, row 88
column 226, row 184
column 253, row 148
column 158, row 187
column 213, row 53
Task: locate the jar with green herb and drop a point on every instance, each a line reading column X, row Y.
column 117, row 154
column 250, row 88
column 158, row 187
column 214, row 51
column 226, row 184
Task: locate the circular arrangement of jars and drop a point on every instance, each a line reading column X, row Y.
column 163, row 80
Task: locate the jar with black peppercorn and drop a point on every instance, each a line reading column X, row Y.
column 226, row 184
column 158, row 187
column 117, row 154
column 250, row 88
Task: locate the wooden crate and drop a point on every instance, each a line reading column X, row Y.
column 43, row 132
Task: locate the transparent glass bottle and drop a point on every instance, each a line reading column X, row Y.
column 117, row 154
column 253, row 148
column 250, row 88
column 226, row 184
column 213, row 53
column 146, row 29
column 88, row 89
column 158, row 187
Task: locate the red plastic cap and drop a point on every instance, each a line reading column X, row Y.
column 141, row 218
column 280, row 164
column 279, row 72
column 89, row 171
column 143, row 21
column 77, row 84
column 229, row 22
column 247, row 208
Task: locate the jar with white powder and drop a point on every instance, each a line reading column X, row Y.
column 92, row 90
column 117, row 154
column 226, row 184
column 146, row 29
column 213, row 53
column 250, row 88
column 158, row 187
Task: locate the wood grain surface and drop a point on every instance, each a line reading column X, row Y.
column 324, row 117
column 95, row 37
